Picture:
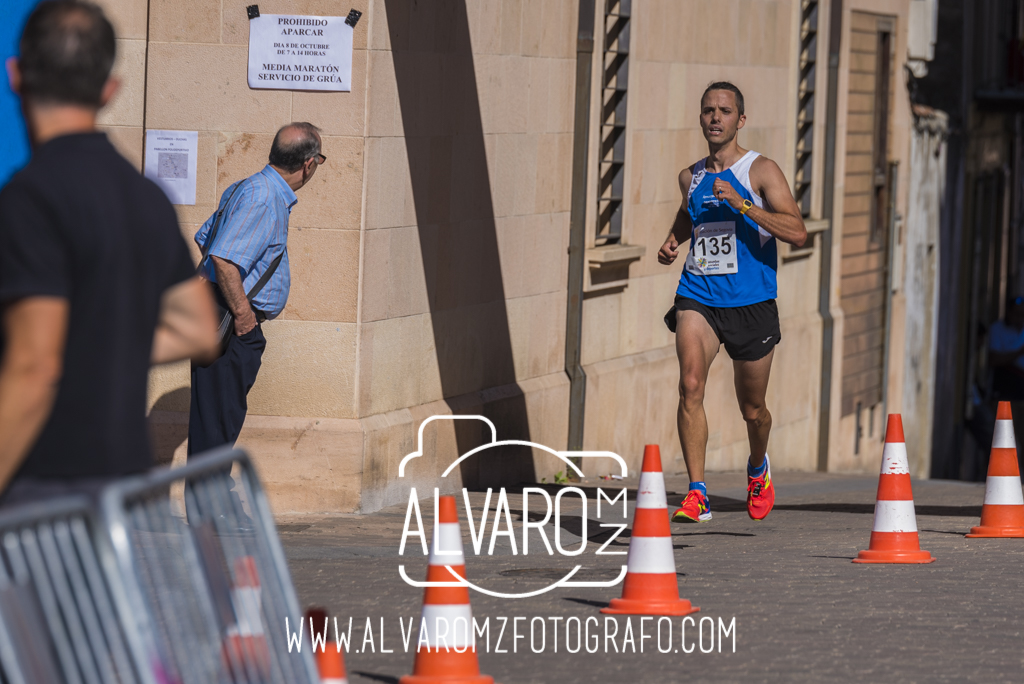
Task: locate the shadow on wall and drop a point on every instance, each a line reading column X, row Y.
column 173, row 431
column 444, row 136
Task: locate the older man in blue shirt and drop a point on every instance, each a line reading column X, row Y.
column 248, row 261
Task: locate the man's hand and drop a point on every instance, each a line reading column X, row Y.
column 669, row 251
column 723, row 190
column 681, row 227
column 245, row 323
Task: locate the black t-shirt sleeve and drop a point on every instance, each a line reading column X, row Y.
column 34, row 259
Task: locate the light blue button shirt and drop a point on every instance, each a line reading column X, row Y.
column 254, row 231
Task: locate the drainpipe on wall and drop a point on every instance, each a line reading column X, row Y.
column 145, row 87
column 835, row 32
column 893, row 220
column 577, row 227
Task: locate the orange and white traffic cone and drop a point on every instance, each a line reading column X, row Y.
column 650, row 587
column 245, row 646
column 1003, row 512
column 449, row 656
column 894, row 535
column 330, row 663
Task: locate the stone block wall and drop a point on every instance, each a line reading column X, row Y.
column 123, row 118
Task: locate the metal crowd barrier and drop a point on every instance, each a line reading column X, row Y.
column 197, row 596
column 58, row 622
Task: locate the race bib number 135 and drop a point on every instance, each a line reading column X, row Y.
column 713, row 249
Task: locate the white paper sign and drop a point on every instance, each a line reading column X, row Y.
column 171, row 163
column 293, row 52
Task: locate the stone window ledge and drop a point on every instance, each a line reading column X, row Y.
column 609, row 266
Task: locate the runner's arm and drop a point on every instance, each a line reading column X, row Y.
column 681, row 227
column 783, row 220
column 35, row 330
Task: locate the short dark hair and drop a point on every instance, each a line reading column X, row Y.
column 67, row 52
column 725, row 85
column 291, row 156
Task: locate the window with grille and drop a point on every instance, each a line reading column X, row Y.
column 805, row 105
column 615, row 81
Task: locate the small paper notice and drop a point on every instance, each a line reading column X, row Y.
column 171, row 163
column 292, row 52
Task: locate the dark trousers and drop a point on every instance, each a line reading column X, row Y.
column 219, row 392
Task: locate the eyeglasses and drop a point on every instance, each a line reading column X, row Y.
column 320, row 159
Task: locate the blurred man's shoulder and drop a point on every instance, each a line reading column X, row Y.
column 26, row 187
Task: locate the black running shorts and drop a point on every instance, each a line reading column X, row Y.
column 748, row 332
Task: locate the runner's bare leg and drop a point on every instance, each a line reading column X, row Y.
column 696, row 346
column 751, row 380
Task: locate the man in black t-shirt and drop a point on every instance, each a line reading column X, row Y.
column 96, row 282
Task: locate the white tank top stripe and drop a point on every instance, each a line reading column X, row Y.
column 698, row 174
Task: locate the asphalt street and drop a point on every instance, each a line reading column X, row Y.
column 803, row 612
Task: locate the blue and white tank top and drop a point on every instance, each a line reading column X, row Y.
column 731, row 261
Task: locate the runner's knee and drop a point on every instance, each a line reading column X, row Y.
column 755, row 413
column 691, row 389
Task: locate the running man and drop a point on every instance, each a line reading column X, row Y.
column 736, row 203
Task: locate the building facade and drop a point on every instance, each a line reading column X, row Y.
column 979, row 80
column 431, row 254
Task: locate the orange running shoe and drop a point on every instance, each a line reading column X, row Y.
column 695, row 508
column 760, row 493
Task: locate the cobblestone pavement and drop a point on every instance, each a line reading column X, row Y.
column 803, row 612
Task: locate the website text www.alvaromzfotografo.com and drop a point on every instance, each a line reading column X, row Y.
column 519, row 634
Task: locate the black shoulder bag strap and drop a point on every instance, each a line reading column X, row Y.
column 265, row 277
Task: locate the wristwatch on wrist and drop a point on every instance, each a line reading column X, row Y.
column 746, row 205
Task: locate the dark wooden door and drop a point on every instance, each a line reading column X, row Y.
column 865, row 250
